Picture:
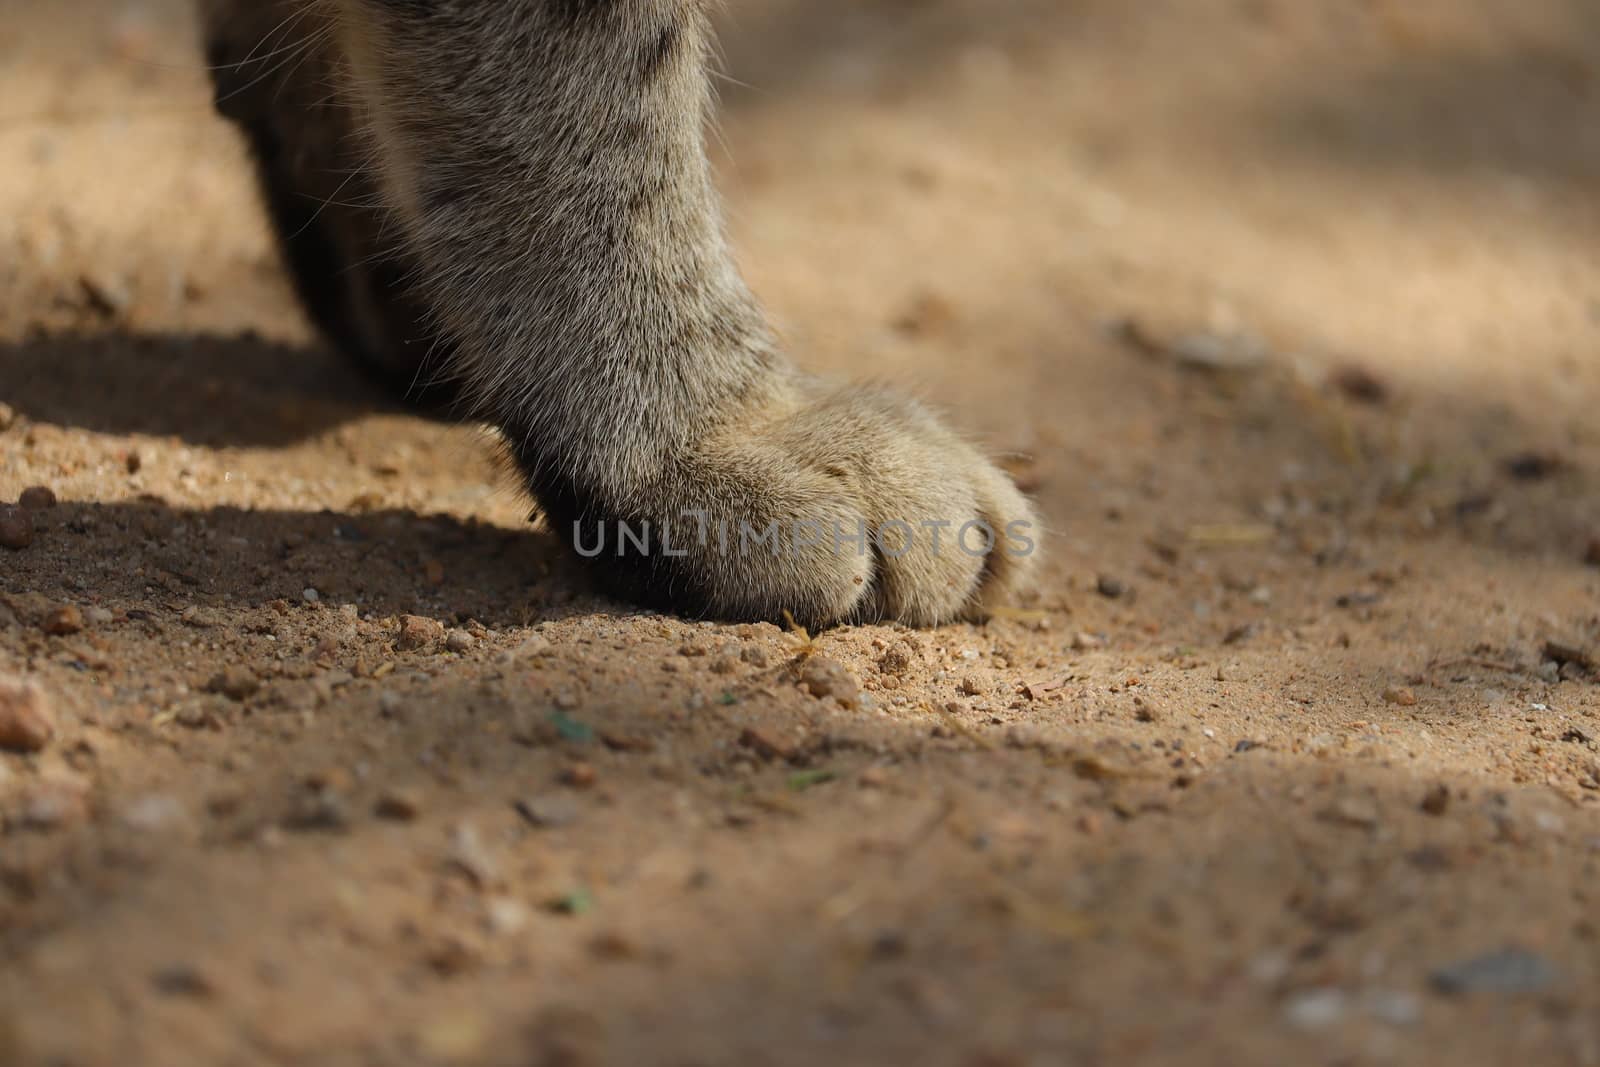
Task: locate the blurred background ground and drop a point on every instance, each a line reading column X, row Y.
column 1286, row 313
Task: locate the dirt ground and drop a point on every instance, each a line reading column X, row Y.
column 1286, row 312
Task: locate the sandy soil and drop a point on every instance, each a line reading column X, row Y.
column 1286, row 312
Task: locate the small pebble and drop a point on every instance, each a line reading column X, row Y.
column 1400, row 695
column 1353, row 810
column 1110, row 588
column 1397, row 1007
column 873, row 777
column 468, row 852
column 1315, row 1009
column 99, row 616
column 235, row 683
column 417, row 632
column 401, row 805
column 310, row 595
column 27, row 723
column 62, row 621
column 1436, row 801
column 155, row 813
column 1510, row 970
column 548, row 813
column 764, row 744
column 580, row 776
column 459, row 641
column 37, row 498
column 54, row 802
column 505, row 915
column 183, row 980
column 825, row 678
column 16, row 527
column 317, row 812
column 896, row 661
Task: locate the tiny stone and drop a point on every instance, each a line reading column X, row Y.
column 468, row 852
column 133, row 463
column 1397, row 1007
column 37, row 498
column 62, row 621
column 183, row 980
column 1315, row 1009
column 235, row 683
column 99, row 616
column 824, row 677
column 54, row 802
column 579, row 776
column 874, row 777
column 320, row 811
column 401, row 805
column 1436, row 801
column 459, row 641
column 310, row 595
column 417, row 632
column 764, row 745
column 198, row 617
column 1510, row 970
column 155, row 813
column 896, row 661
column 1110, row 588
column 16, row 527
column 448, row 959
column 26, row 721
column 505, row 915
column 1352, row 810
column 1086, row 642
column 532, row 647
column 1401, row 695
column 548, row 813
